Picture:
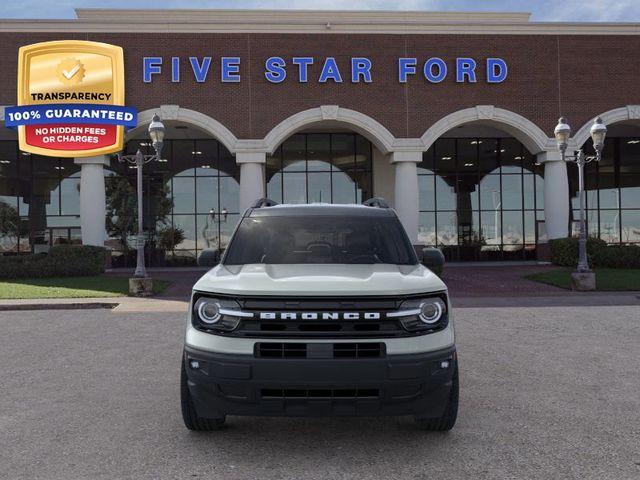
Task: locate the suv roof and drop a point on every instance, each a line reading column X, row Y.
column 317, row 209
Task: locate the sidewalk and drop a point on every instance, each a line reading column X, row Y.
column 470, row 286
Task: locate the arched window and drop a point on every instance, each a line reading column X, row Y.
column 321, row 167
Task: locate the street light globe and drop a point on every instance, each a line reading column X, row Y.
column 598, row 132
column 156, row 130
column 562, row 133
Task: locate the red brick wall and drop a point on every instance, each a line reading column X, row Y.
column 578, row 76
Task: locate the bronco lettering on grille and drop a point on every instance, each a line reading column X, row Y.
column 319, row 316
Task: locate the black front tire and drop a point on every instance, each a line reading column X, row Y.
column 191, row 419
column 448, row 418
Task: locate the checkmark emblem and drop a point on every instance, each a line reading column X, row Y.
column 70, row 71
column 70, row 74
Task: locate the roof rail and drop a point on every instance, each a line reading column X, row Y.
column 377, row 202
column 263, row 202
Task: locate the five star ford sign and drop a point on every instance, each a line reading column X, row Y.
column 71, row 99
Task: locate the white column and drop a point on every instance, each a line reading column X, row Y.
column 251, row 177
column 406, row 190
column 556, row 194
column 93, row 209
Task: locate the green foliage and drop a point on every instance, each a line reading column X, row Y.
column 607, row 279
column 122, row 207
column 9, row 220
column 618, row 256
column 564, row 252
column 61, row 261
column 169, row 237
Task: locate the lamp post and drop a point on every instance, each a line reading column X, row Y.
column 156, row 133
column 562, row 133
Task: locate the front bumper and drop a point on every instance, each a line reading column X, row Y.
column 227, row 384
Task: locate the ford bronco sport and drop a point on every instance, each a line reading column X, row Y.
column 319, row 310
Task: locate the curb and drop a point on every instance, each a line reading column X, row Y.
column 57, row 306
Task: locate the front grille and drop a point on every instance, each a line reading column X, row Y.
column 281, row 350
column 319, row 393
column 319, row 350
column 380, row 328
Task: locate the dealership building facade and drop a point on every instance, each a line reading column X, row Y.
column 448, row 116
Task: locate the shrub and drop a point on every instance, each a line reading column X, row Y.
column 61, row 261
column 564, row 252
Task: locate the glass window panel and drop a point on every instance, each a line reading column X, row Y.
column 68, row 167
column 539, row 192
column 445, row 194
column 320, row 187
column 530, row 227
column 490, row 192
column 295, row 188
column 206, row 157
column 10, row 223
column 44, row 166
column 512, row 228
column 447, row 228
column 273, row 164
column 227, row 228
column 445, row 156
column 58, row 221
column 630, row 190
column 426, row 165
column 182, row 163
column 230, row 194
column 184, row 195
column 426, row 189
column 491, row 224
column 511, row 192
column 293, row 153
column 208, row 230
column 488, row 156
column 468, row 227
column 631, row 226
column 629, row 155
column 319, row 152
column 363, row 153
column 8, row 159
column 511, row 156
column 45, row 197
column 528, row 191
column 467, row 152
column 427, row 228
column 207, row 194
column 344, row 188
column 610, row 226
column 227, row 164
column 274, row 188
column 188, row 224
column 467, row 192
column 342, row 151
column 364, row 184
column 70, row 196
column 606, row 184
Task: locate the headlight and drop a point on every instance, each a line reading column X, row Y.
column 216, row 314
column 422, row 314
column 208, row 310
column 431, row 311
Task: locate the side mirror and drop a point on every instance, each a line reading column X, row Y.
column 209, row 257
column 433, row 259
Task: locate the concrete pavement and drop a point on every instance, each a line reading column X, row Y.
column 545, row 393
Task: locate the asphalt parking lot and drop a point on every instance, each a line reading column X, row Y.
column 550, row 392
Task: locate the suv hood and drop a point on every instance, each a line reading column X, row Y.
column 319, row 280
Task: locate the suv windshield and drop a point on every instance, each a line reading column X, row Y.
column 320, row 239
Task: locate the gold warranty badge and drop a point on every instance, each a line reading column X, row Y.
column 71, row 72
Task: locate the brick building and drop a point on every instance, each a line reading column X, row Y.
column 449, row 116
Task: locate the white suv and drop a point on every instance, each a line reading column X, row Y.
column 319, row 310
